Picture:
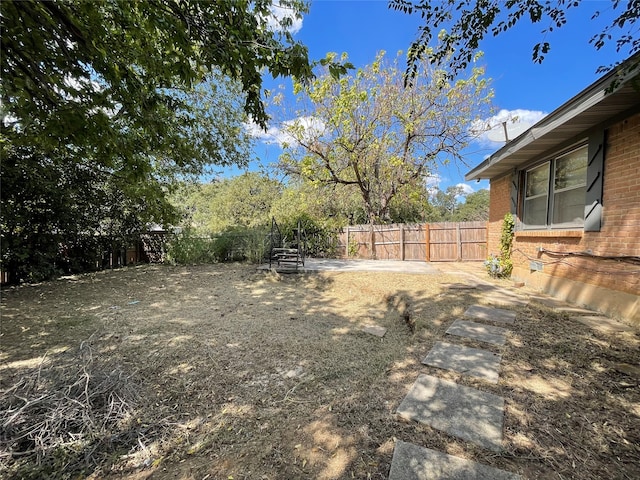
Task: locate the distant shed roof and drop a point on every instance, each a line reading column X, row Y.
column 590, row 108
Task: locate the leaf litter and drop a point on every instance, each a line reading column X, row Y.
column 221, row 371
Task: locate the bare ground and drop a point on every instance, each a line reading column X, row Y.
column 221, row 372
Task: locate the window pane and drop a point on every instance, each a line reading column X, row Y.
column 535, row 211
column 537, row 181
column 571, row 170
column 568, row 206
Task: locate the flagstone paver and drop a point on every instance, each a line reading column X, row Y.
column 376, row 330
column 411, row 462
column 497, row 315
column 478, row 331
column 459, row 286
column 470, row 361
column 460, row 411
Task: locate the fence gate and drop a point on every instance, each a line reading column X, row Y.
column 451, row 241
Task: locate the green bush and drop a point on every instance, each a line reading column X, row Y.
column 254, row 245
column 232, row 245
column 321, row 237
column 189, row 248
column 501, row 266
column 242, row 244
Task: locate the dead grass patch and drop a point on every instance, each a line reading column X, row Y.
column 234, row 373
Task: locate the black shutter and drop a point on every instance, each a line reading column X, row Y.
column 514, row 193
column 595, row 172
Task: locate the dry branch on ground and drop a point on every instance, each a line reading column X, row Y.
column 221, row 371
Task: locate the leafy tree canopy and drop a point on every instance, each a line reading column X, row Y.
column 242, row 201
column 88, row 57
column 460, row 25
column 474, row 208
column 107, row 103
column 367, row 132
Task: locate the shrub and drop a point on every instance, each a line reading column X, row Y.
column 242, row 244
column 501, row 266
column 233, row 244
column 320, row 236
column 189, row 248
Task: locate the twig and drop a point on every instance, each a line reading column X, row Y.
column 22, row 409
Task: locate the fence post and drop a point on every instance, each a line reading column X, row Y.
column 486, row 240
column 426, row 238
column 401, row 241
column 459, row 242
column 373, row 242
column 346, row 247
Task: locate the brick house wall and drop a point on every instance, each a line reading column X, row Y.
column 619, row 235
column 499, row 205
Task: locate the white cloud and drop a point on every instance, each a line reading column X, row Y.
column 310, row 127
column 432, row 183
column 269, row 136
column 491, row 131
column 465, row 188
column 280, row 13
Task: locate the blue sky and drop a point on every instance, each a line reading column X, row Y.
column 522, row 89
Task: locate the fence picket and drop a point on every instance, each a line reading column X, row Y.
column 434, row 242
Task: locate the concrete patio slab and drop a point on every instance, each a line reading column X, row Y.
column 338, row 265
column 478, row 331
column 376, row 330
column 491, row 314
column 411, row 462
column 460, row 411
column 470, row 361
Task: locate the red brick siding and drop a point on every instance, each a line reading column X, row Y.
column 620, row 234
column 499, row 205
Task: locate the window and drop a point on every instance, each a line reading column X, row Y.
column 536, row 196
column 554, row 195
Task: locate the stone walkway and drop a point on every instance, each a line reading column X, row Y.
column 470, row 361
column 463, row 412
column 460, row 411
column 478, row 331
column 411, row 462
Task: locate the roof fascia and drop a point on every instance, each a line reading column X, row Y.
column 590, row 96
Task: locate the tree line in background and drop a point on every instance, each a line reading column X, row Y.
column 231, row 218
column 109, row 108
column 253, row 199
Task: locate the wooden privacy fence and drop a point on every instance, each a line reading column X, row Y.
column 432, row 242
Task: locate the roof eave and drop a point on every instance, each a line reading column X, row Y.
column 538, row 138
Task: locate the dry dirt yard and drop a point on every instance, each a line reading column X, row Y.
column 223, row 372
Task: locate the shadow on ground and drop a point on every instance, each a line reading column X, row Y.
column 233, row 373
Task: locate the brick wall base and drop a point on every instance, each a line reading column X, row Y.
column 613, row 303
column 606, row 283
